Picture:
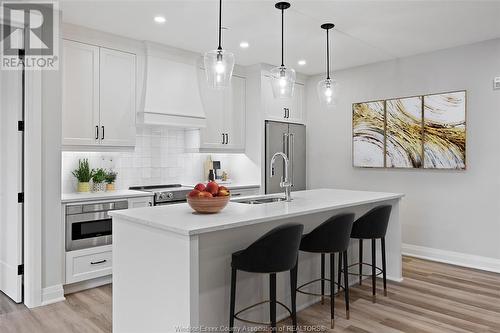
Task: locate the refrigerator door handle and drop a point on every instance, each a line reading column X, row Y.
column 290, row 157
column 286, row 143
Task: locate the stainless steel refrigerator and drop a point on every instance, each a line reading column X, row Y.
column 291, row 140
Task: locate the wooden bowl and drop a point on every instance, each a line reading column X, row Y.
column 208, row 205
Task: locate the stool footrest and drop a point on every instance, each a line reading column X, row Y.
column 255, row 305
column 314, row 294
column 380, row 271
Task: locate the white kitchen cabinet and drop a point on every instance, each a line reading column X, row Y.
column 117, row 98
column 140, row 202
column 99, row 96
column 88, row 263
column 225, row 112
column 280, row 109
column 80, row 98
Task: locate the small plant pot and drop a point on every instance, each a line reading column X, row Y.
column 83, row 187
column 99, row 187
column 110, row 187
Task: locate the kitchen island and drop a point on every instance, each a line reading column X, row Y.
column 171, row 266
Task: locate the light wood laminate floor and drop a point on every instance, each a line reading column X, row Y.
column 433, row 297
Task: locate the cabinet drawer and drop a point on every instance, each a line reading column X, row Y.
column 88, row 263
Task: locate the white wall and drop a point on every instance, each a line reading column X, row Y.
column 447, row 210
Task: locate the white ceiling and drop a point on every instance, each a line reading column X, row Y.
column 366, row 31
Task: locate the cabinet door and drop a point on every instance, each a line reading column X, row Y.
column 274, row 107
column 140, row 202
column 117, row 98
column 211, row 137
column 234, row 114
column 296, row 107
column 80, row 94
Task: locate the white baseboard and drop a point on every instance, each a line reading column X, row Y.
column 87, row 284
column 454, row 258
column 52, row 294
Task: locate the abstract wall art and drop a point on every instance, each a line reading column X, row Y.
column 404, row 133
column 368, row 134
column 444, row 131
column 426, row 131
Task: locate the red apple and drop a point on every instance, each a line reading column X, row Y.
column 206, row 194
column 200, row 187
column 223, row 193
column 212, row 187
column 194, row 194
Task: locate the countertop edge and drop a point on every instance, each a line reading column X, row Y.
column 98, row 197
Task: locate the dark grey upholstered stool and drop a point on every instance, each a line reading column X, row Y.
column 272, row 253
column 372, row 225
column 331, row 237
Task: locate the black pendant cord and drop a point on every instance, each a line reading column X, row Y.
column 220, row 25
column 282, row 38
column 327, row 55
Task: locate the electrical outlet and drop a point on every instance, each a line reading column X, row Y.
column 496, row 83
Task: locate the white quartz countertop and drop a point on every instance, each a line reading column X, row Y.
column 91, row 196
column 183, row 220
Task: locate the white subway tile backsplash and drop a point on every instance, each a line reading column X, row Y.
column 158, row 158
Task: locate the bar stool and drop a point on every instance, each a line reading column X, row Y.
column 330, row 237
column 274, row 252
column 372, row 225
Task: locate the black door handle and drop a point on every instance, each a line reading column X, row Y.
column 227, row 138
column 102, row 138
column 98, row 262
column 97, row 132
column 223, row 138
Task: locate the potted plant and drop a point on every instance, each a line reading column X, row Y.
column 83, row 174
column 110, row 180
column 98, row 180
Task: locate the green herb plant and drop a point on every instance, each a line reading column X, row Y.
column 110, row 176
column 83, row 173
column 98, row 175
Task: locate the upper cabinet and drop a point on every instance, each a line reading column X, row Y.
column 99, row 96
column 225, row 112
column 289, row 110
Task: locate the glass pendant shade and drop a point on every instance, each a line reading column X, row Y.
column 327, row 92
column 219, row 66
column 283, row 82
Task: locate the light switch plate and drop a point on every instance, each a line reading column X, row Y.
column 496, row 83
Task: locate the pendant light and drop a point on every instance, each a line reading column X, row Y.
column 219, row 63
column 283, row 79
column 326, row 87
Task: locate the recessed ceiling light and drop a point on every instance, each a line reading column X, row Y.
column 160, row 19
column 302, row 62
column 244, row 45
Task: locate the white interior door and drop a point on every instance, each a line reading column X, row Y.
column 11, row 171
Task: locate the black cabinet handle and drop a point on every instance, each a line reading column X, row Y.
column 223, row 138
column 98, row 262
column 102, row 132
column 227, row 138
column 97, row 132
column 284, row 109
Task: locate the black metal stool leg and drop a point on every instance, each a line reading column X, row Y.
column 339, row 272
column 322, row 278
column 272, row 297
column 384, row 266
column 346, row 285
column 360, row 261
column 293, row 289
column 332, row 289
column 374, row 278
column 233, row 298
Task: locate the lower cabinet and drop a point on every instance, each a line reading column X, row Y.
column 140, row 202
column 88, row 263
column 244, row 192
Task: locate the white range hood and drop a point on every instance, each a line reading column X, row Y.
column 171, row 92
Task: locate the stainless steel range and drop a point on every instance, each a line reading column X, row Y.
column 165, row 194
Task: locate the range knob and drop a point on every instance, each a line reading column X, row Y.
column 166, row 196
